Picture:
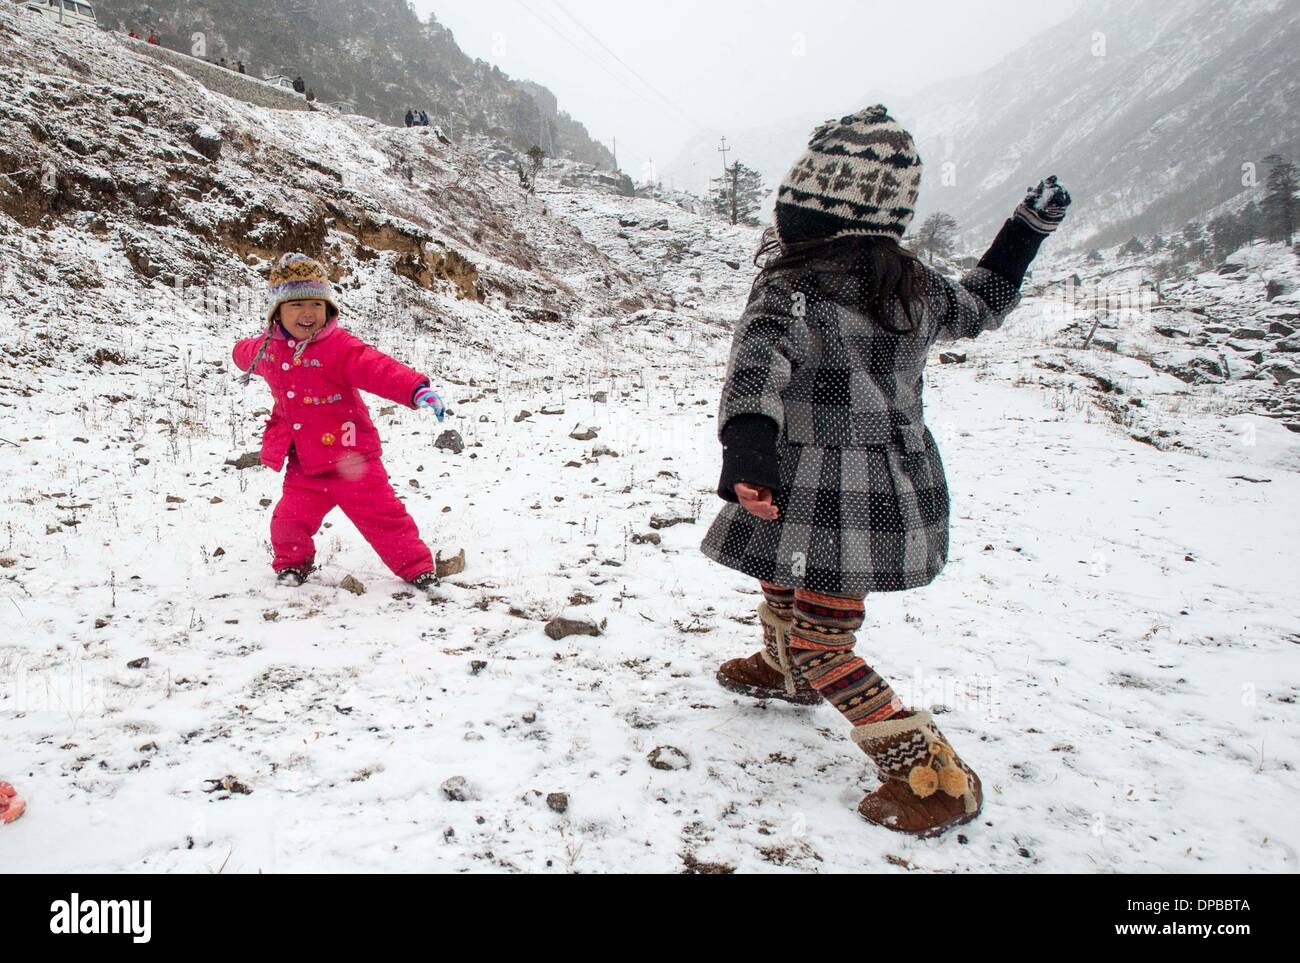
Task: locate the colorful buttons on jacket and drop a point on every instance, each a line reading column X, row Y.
column 327, row 439
column 285, row 366
column 290, row 394
column 296, row 426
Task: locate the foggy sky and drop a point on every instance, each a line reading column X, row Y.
column 716, row 64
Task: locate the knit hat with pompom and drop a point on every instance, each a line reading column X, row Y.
column 859, row 175
column 296, row 277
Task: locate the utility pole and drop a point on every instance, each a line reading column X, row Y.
column 735, row 183
column 724, row 150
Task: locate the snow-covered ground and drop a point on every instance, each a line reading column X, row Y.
column 1113, row 646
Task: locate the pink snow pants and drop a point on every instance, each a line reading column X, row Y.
column 367, row 499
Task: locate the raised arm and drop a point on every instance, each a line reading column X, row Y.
column 985, row 295
column 371, row 370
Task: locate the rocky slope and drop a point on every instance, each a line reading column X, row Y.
column 374, row 54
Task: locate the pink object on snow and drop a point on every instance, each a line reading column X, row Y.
column 12, row 805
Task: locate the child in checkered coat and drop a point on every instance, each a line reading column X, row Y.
column 836, row 485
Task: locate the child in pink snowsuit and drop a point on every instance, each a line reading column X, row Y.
column 316, row 371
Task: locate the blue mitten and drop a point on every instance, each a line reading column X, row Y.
column 426, row 397
column 1044, row 206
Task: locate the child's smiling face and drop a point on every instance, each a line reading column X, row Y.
column 302, row 319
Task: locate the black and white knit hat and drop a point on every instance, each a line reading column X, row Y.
column 859, row 175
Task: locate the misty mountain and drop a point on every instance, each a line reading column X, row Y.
column 377, row 55
column 1147, row 109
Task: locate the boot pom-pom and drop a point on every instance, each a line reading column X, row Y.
column 953, row 781
column 923, row 780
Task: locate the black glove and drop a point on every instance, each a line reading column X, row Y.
column 1044, row 206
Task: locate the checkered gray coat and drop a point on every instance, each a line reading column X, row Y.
column 863, row 497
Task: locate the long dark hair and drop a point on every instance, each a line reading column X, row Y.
column 889, row 279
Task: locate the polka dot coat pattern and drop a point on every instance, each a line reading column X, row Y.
column 863, row 497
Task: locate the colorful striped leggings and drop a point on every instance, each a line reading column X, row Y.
column 821, row 637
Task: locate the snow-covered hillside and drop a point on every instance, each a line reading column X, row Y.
column 1113, row 645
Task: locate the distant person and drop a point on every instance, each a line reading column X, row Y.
column 153, row 38
column 311, row 94
column 222, row 62
column 410, row 117
column 424, row 119
column 133, row 35
column 240, row 67
column 299, row 85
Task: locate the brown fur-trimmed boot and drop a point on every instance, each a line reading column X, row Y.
column 926, row 788
column 767, row 674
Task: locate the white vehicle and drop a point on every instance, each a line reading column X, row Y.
column 66, row 11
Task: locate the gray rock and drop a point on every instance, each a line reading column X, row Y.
column 353, row 585
column 562, row 628
column 668, row 757
column 456, row 789
column 1281, row 371
column 1249, row 333
column 668, row 521
column 558, row 801
column 249, row 459
column 524, row 415
column 450, row 440
column 952, row 357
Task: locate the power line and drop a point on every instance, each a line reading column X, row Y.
column 582, row 50
column 629, row 67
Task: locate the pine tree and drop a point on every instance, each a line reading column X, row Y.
column 1132, row 247
column 1095, row 257
column 738, row 194
column 937, row 235
column 1279, row 199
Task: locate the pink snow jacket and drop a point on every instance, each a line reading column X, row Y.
column 318, row 408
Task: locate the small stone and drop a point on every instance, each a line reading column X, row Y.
column 351, row 584
column 249, row 459
column 271, row 615
column 451, row 441
column 456, row 789
column 101, row 622
column 648, row 538
column 140, row 663
column 600, row 451
column 524, row 415
column 477, row 666
column 175, row 499
column 668, row 757
column 668, row 521
column 602, row 397
column 562, row 628
column 951, row 357
column 557, row 801
column 530, row 717
column 449, row 566
column 586, row 434
column 264, row 502
column 215, row 500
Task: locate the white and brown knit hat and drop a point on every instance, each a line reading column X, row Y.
column 859, row 175
column 296, row 277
